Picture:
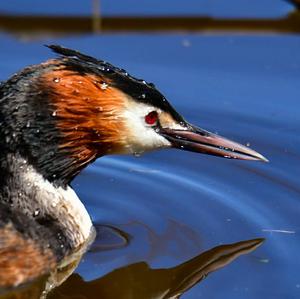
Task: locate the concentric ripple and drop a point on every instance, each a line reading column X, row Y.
column 175, row 204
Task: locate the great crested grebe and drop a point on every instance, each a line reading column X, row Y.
column 56, row 118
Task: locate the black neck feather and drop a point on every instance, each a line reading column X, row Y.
column 28, row 127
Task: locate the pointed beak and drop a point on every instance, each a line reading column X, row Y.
column 198, row 140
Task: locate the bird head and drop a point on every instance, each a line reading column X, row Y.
column 82, row 108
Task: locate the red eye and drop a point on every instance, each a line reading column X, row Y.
column 151, row 118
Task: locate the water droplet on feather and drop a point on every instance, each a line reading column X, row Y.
column 104, row 86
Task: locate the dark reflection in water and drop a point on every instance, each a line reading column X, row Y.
column 108, row 238
column 200, row 18
column 42, row 26
column 295, row 2
column 137, row 280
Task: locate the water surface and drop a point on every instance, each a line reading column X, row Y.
column 174, row 205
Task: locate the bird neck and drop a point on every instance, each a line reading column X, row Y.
column 55, row 211
column 29, row 128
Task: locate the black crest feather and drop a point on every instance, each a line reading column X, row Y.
column 72, row 53
column 138, row 89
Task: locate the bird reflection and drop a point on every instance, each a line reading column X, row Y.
column 140, row 281
column 135, row 281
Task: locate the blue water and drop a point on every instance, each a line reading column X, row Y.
column 214, row 8
column 244, row 88
column 175, row 205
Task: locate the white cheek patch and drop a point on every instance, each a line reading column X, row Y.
column 142, row 137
